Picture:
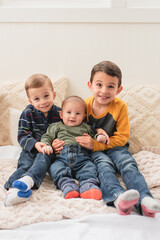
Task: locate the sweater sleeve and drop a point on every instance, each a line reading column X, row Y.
column 25, row 136
column 50, row 134
column 121, row 135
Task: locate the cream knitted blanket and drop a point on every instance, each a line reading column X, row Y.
column 47, row 203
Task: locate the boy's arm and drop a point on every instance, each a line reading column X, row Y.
column 88, row 137
column 57, row 145
column 25, row 128
column 47, row 150
column 120, row 136
column 39, row 146
column 102, row 137
column 98, row 134
column 85, row 141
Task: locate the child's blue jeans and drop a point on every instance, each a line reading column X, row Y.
column 32, row 164
column 73, row 161
column 118, row 159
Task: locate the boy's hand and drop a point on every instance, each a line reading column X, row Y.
column 85, row 141
column 101, row 131
column 39, row 146
column 57, row 145
column 47, row 150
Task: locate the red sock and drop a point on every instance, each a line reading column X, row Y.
column 92, row 194
column 72, row 194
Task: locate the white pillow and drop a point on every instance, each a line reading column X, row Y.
column 15, row 100
column 14, row 115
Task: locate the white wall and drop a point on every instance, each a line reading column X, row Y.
column 71, row 50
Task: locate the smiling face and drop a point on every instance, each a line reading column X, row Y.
column 73, row 113
column 104, row 88
column 42, row 98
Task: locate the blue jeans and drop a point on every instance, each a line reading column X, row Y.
column 73, row 161
column 33, row 164
column 25, row 161
column 118, row 159
column 39, row 168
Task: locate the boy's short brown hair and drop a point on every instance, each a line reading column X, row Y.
column 36, row 81
column 109, row 68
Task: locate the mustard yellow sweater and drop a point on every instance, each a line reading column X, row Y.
column 114, row 121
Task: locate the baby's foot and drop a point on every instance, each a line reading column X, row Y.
column 23, row 184
column 89, row 189
column 14, row 196
column 68, row 187
column 72, row 194
column 150, row 206
column 126, row 200
column 93, row 193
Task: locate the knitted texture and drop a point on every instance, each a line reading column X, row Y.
column 144, row 114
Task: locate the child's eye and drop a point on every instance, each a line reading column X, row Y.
column 69, row 112
column 46, row 95
column 110, row 86
column 36, row 99
column 99, row 84
column 77, row 113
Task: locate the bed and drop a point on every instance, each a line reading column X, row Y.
column 48, row 215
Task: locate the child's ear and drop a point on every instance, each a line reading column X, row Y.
column 60, row 114
column 89, row 84
column 29, row 101
column 119, row 90
column 54, row 95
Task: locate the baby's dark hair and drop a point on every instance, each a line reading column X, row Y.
column 74, row 99
column 109, row 68
column 36, row 81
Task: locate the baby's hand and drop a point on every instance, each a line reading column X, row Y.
column 100, row 131
column 101, row 138
column 39, row 146
column 47, row 150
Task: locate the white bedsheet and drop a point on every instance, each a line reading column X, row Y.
column 92, row 227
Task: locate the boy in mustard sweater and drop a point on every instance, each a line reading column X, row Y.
column 106, row 111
